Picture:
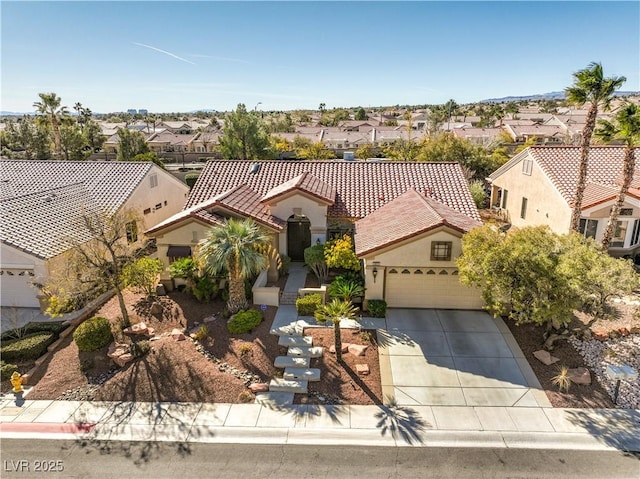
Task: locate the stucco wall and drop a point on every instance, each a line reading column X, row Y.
column 545, row 205
column 16, row 290
column 315, row 211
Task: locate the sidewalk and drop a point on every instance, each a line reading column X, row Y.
column 425, row 426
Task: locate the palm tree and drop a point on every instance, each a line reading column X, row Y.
column 625, row 127
column 336, row 311
column 589, row 86
column 50, row 105
column 239, row 247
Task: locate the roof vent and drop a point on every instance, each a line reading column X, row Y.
column 255, row 168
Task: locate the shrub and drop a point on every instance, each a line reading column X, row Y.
column 244, row 321
column 6, row 370
column 339, row 253
column 191, row 178
column 93, row 334
column 29, row 347
column 183, row 268
column 308, row 304
column 377, row 308
column 478, row 193
column 285, row 262
column 140, row 348
column 55, row 327
column 202, row 333
column 204, row 289
column 345, row 289
column 245, row 397
column 143, row 275
column 245, row 348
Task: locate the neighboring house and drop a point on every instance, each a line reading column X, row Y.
column 167, row 141
column 205, row 142
column 543, row 134
column 301, row 203
column 42, row 205
column 537, row 187
column 479, row 136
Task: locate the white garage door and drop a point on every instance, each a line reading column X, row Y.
column 429, row 288
column 17, row 291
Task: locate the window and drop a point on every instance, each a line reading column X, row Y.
column 504, row 199
column 441, row 250
column 132, row 231
column 158, row 206
column 635, row 235
column 588, row 228
column 626, row 212
column 153, row 180
column 527, row 166
column 405, row 271
column 523, row 208
column 619, row 234
column 147, row 211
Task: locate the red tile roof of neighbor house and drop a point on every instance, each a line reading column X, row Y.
column 361, row 187
column 307, row 183
column 407, row 216
column 241, row 200
column 561, row 163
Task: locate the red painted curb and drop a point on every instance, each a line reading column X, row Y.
column 46, row 427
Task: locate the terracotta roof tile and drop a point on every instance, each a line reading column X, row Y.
column 410, row 214
column 561, row 163
column 306, row 182
column 361, row 187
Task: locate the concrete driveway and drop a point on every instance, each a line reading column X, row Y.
column 454, row 358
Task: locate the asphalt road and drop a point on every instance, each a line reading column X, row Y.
column 69, row 459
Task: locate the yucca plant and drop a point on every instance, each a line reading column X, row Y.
column 562, row 379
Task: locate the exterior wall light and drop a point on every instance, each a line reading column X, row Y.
column 375, row 273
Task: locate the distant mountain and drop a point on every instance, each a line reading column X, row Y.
column 554, row 95
column 16, row 113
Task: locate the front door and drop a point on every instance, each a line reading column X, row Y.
column 298, row 237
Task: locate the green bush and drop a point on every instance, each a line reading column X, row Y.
column 93, row 334
column 345, row 289
column 285, row 262
column 244, row 321
column 6, row 370
column 308, row 304
column 205, row 289
column 28, row 347
column 377, row 308
column 191, row 178
column 140, row 348
column 55, row 327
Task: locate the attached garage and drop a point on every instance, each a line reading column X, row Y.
column 429, row 288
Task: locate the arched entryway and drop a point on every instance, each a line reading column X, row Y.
column 298, row 236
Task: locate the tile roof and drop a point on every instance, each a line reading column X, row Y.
column 390, row 224
column 560, row 163
column 361, row 187
column 47, row 222
column 306, row 182
column 42, row 202
column 241, row 200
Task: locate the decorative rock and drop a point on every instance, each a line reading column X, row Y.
column 579, row 376
column 123, row 359
column 160, row 290
column 258, row 387
column 156, row 308
column 345, row 348
column 362, row 369
column 545, row 357
column 210, row 319
column 357, row 349
column 600, row 334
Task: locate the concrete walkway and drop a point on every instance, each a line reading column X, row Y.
column 431, row 426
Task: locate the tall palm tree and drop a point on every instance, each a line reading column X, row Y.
column 336, row 311
column 589, row 86
column 625, row 127
column 239, row 248
column 49, row 104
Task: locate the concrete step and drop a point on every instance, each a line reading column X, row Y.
column 288, row 386
column 291, row 362
column 305, row 352
column 293, row 329
column 274, row 398
column 295, row 340
column 304, row 374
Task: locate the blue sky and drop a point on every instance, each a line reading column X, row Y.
column 182, row 56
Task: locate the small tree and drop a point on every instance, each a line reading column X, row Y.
column 314, row 258
column 339, row 253
column 143, row 275
column 336, row 311
column 132, row 143
column 478, row 193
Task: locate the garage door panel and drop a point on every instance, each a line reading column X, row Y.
column 436, row 290
column 16, row 291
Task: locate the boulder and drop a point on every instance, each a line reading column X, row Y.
column 357, row 349
column 177, row 334
column 600, row 334
column 119, row 353
column 545, row 357
column 123, row 359
column 156, row 308
column 362, row 369
column 259, row 387
column 160, row 290
column 579, row 376
column 345, row 348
